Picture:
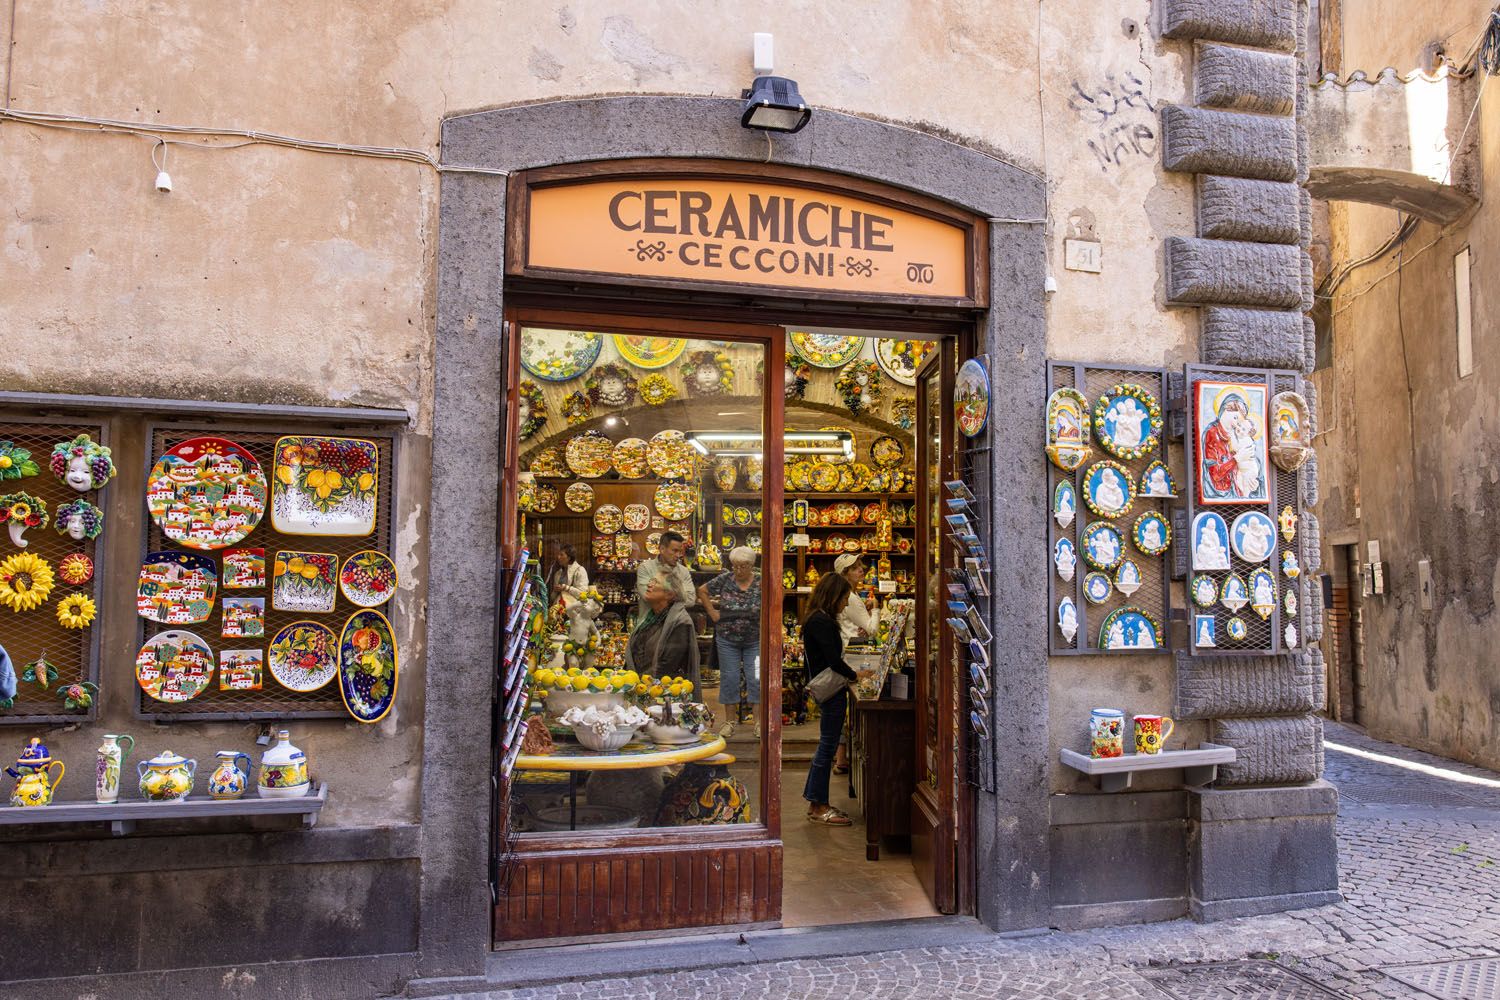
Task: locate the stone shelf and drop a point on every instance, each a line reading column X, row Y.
column 1113, row 774
column 122, row 816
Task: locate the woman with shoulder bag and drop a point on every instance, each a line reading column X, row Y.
column 829, row 680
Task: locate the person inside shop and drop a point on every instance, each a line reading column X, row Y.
column 733, row 602
column 665, row 640
column 823, row 649
column 568, row 578
column 855, row 622
column 668, row 564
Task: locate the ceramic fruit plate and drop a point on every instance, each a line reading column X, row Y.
column 971, row 397
column 579, row 498
column 244, row 569
column 1252, row 536
column 636, row 517
column 174, row 666
column 1262, row 592
column 648, row 352
column 1156, row 481
column 304, row 581
column 1068, row 428
column 589, row 455
column 1064, row 504
column 1107, row 489
column 545, row 501
column 629, row 458
column 369, row 665
column 1128, row 577
column 1096, row 587
column 825, row 477
column 900, row 359
column 1152, row 534
column 669, row 455
column 559, row 355
column 1129, row 628
column 860, row 474
column 799, row 476
column 1205, row 590
column 325, row 486
column 676, row 500
column 176, row 588
column 826, row 350
column 368, row 578
column 608, row 518
column 887, row 452
column 741, row 516
column 1127, row 421
column 206, row 493
column 304, row 656
column 243, row 618
column 1103, row 545
column 549, row 462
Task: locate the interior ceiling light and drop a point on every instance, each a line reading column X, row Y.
column 728, row 443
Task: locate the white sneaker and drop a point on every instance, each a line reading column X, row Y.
column 726, row 730
column 757, row 730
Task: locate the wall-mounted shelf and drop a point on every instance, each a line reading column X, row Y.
column 122, row 816
column 1113, row 774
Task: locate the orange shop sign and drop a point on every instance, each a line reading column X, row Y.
column 745, row 232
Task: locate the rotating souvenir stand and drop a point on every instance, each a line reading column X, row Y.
column 1211, row 393
column 1152, row 594
column 969, row 599
column 510, row 673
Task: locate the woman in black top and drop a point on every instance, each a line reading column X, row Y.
column 823, row 649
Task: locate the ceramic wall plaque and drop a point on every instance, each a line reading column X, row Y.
column 243, row 618
column 608, row 519
column 1129, row 628
column 629, row 458
column 1289, row 601
column 1096, row 587
column 1067, row 618
column 1205, row 591
column 304, row 656
column 176, row 588
column 887, row 452
column 1064, row 504
column 900, row 359
column 1107, row 489
column 174, row 666
column 240, row 669
column 648, row 352
column 206, row 493
column 531, row 411
column 1064, row 558
column 559, row 355
column 325, row 486
column 1103, row 545
column 1288, row 523
column 1237, row 629
column 669, row 455
column 1262, row 592
column 244, row 569
column 1157, row 481
column 1290, row 444
column 1289, row 567
column 82, row 464
column 1128, row 577
column 1203, row 632
column 304, row 581
column 971, row 397
column 589, row 455
column 826, row 350
column 1210, row 541
column 1291, row 637
column 1230, row 429
column 368, row 665
column 1152, row 534
column 1127, row 421
column 368, row 578
column 1252, row 536
column 1068, row 428
column 579, row 498
column 1233, row 594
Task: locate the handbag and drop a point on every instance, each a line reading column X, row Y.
column 827, row 684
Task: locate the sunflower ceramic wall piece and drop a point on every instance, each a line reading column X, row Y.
column 20, row 512
column 75, row 611
column 25, row 582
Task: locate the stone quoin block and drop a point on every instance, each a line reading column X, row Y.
column 1304, row 222
column 1234, row 208
column 1310, row 535
column 1211, row 687
column 1200, row 141
column 1314, row 596
column 1233, row 272
column 1309, row 345
column 1309, row 390
column 1309, row 472
column 1305, row 260
column 1269, row 24
column 1245, row 80
column 1275, row 751
column 1258, row 338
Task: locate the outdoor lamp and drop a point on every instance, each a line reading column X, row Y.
column 773, row 104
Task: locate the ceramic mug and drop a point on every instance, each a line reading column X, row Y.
column 1149, row 734
column 1106, row 733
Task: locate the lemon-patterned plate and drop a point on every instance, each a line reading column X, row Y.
column 826, row 350
column 825, row 477
column 559, row 355
column 648, row 352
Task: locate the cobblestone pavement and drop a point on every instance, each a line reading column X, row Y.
column 1420, row 865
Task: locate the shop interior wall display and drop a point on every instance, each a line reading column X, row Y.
column 1154, row 595
column 272, row 701
column 30, row 635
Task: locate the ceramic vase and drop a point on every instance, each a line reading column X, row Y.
column 166, row 777
column 110, row 761
column 229, row 779
column 283, row 770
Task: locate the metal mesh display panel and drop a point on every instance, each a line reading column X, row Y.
column 28, row 635
column 1262, row 635
column 272, row 701
column 1154, row 596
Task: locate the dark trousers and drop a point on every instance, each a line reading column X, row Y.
column 829, row 732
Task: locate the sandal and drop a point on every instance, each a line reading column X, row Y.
column 841, row 769
column 830, row 817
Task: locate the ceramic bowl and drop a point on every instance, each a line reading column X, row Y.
column 609, row 741
column 559, row 702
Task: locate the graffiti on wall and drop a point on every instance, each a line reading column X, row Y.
column 1122, row 115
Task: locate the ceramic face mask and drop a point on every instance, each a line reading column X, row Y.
column 78, row 475
column 76, row 528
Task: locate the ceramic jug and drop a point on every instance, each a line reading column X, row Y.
column 110, row 762
column 33, row 773
column 166, row 777
column 283, row 770
column 229, row 780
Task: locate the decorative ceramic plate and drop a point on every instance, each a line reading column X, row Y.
column 1068, row 428
column 546, row 499
column 653, row 543
column 549, row 462
column 1252, row 536
column 1064, row 504
column 1156, row 481
column 636, row 517
column 1205, row 590
column 1289, row 601
column 304, row 656
column 887, row 452
column 75, row 569
column 325, row 486
column 1262, row 592
column 206, row 493
column 900, row 359
column 368, row 578
column 971, row 397
column 648, row 352
column 1128, row 577
column 244, row 569
column 304, row 581
column 368, row 665
column 174, row 666
column 825, row 477
column 629, row 458
column 676, row 500
column 1127, row 421
column 1103, row 545
column 1107, row 489
column 624, row 545
column 558, row 355
column 1064, row 558
column 608, row 518
column 1288, row 523
column 1129, row 628
column 826, row 350
column 799, row 476
column 579, row 498
column 860, row 473
column 243, row 618
column 1237, row 629
column 1233, row 594
column 1096, row 587
column 1152, row 533
column 669, row 455
column 1210, row 541
column 589, row 454
column 741, row 515
column 176, row 588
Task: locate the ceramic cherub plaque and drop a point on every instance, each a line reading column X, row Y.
column 1252, row 536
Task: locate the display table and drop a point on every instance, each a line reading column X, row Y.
column 882, row 771
column 575, row 758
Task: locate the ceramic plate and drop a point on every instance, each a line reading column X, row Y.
column 825, row 477
column 648, row 352
column 1152, row 533
column 653, row 543
column 549, row 462
column 1096, row 587
column 629, row 458
column 174, row 666
column 368, row 665
column 1129, row 628
column 799, row 476
column 304, row 656
column 579, row 498
column 669, row 455
column 558, row 355
column 887, row 452
column 1103, row 545
column 1263, row 592
column 741, row 515
column 608, row 518
column 1064, row 504
column 1127, row 421
column 1068, row 428
column 206, row 493
column 676, row 500
column 546, row 500
column 589, row 454
column 244, row 569
column 636, row 517
column 971, row 397
column 325, row 486
column 624, row 546
column 176, row 588
column 368, row 578
column 826, row 350
column 304, row 581
column 1107, row 489
column 1253, row 536
column 1156, row 481
column 860, row 472
column 900, row 359
column 1205, row 590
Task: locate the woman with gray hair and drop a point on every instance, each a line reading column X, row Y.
column 733, row 602
column 665, row 641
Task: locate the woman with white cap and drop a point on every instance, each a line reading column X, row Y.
column 855, row 622
column 733, row 602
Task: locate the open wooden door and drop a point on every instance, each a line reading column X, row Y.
column 934, row 816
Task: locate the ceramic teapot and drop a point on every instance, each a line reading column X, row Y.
column 229, row 780
column 33, row 774
column 283, row 770
column 166, row 777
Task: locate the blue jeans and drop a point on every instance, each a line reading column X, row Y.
column 737, row 659
column 830, row 730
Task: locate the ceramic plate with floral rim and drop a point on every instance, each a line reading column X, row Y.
column 325, row 486
column 174, row 666
column 900, row 359
column 1205, row 590
column 608, row 518
column 648, row 352
column 579, row 498
column 558, row 355
column 636, row 517
column 826, row 350
column 368, row 578
column 244, row 569
column 368, row 665
column 304, row 656
column 304, row 581
column 1127, row 421
column 971, row 397
column 1103, row 545
column 1152, row 533
column 1107, row 489
column 589, row 454
column 1096, row 587
column 669, row 455
column 887, row 452
column 206, row 493
column 676, row 500
column 176, row 588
